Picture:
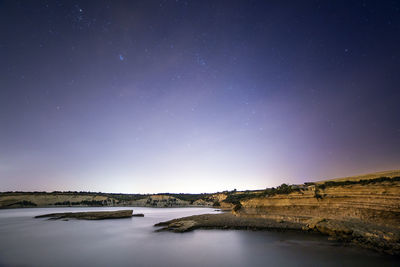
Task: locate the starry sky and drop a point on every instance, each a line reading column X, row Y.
column 196, row 96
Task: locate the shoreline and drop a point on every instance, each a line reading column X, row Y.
column 126, row 206
column 347, row 232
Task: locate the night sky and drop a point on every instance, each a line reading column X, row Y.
column 196, row 96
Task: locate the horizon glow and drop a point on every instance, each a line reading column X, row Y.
column 196, row 96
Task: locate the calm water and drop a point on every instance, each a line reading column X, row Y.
column 25, row 241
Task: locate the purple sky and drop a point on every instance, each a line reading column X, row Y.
column 196, row 96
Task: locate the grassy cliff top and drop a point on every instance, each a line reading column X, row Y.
column 390, row 174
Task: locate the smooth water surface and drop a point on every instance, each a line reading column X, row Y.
column 25, row 241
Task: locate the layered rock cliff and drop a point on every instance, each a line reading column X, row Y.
column 377, row 203
column 361, row 211
column 364, row 210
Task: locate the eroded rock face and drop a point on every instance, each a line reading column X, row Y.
column 374, row 203
column 372, row 236
column 91, row 215
column 366, row 214
column 202, row 203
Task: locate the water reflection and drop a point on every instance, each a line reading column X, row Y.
column 132, row 242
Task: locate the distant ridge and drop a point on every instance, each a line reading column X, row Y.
column 390, row 174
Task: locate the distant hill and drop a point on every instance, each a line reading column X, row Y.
column 224, row 200
column 98, row 199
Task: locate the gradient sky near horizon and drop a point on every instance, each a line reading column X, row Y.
column 196, row 96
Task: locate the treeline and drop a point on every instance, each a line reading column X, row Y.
column 235, row 197
column 117, row 196
column 24, row 203
column 83, row 202
column 53, row 193
column 362, row 182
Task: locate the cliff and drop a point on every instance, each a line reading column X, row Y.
column 377, row 203
column 364, row 211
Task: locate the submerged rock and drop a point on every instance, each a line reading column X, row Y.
column 138, row 215
column 89, row 215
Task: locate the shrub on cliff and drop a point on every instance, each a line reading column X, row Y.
column 282, row 189
column 237, row 207
column 235, row 198
column 317, row 195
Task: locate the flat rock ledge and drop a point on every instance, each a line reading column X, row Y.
column 89, row 215
column 378, row 238
column 224, row 221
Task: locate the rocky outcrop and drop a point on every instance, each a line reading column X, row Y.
column 376, row 203
column 225, row 221
column 90, row 215
column 365, row 212
column 384, row 239
column 202, row 203
column 178, row 226
column 362, row 212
